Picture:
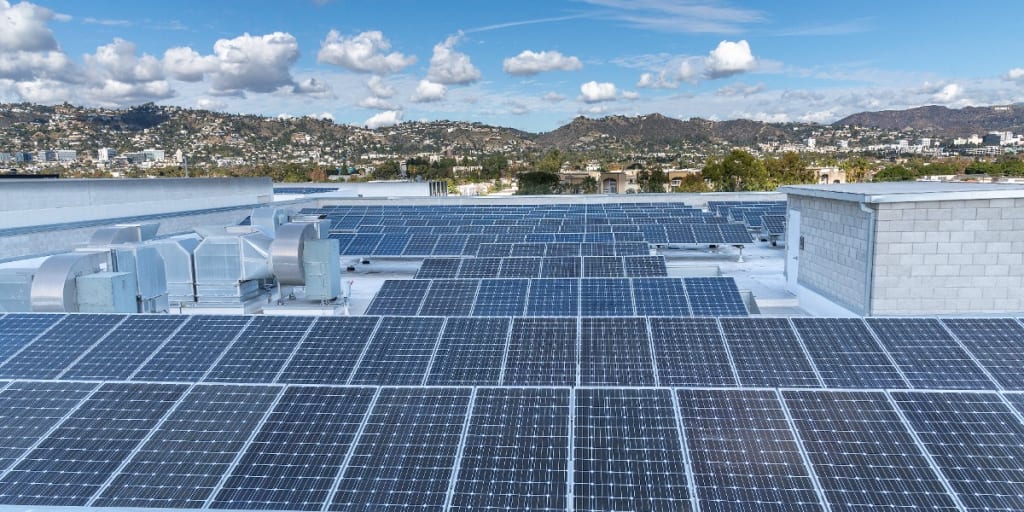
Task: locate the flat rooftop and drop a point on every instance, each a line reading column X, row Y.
column 908, row 191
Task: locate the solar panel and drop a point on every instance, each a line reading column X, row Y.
column 330, row 351
column 28, row 410
column 660, row 297
column 553, row 297
column 449, row 245
column 183, row 460
column 734, row 234
column 678, row 234
column 18, row 329
column 714, row 296
column 471, row 352
column 494, row 251
column 262, row 350
column 61, row 345
column 643, row 469
column 71, row 464
column 975, row 440
column 400, row 351
column 528, row 250
column 605, row 297
column 615, row 352
column 774, row 225
column 399, row 297
column 766, row 353
column 996, row 343
column 517, row 465
column 391, row 245
column 690, row 352
column 603, row 266
column 927, row 355
column 192, row 350
column 563, row 249
column 420, row 245
column 644, row 266
column 501, row 297
column 363, row 244
column 293, row 460
column 846, row 355
column 744, row 454
column 597, row 249
column 541, row 352
column 123, row 350
column 863, row 454
column 439, row 268
column 520, row 268
column 404, row 456
column 478, row 268
column 565, row 266
column 450, row 297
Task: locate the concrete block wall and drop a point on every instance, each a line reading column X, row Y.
column 949, row 257
column 834, row 260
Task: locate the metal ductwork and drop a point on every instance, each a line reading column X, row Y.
column 286, row 252
column 268, row 219
column 123, row 234
column 54, row 289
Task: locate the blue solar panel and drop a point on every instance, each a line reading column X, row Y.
column 449, row 245
column 690, row 352
column 420, row 245
column 553, row 297
column 927, row 355
column 30, row 409
column 363, row 244
column 846, row 355
column 767, row 353
column 65, row 342
column 520, row 268
column 494, row 250
column 405, row 454
column 293, row 460
column 976, row 441
column 744, row 454
column 863, row 454
column 603, row 266
column 391, row 245
column 520, row 465
column 478, row 268
column 644, row 266
column 542, row 352
column 18, row 329
column 563, row 249
column 997, row 344
column 399, row 297
column 714, row 296
column 183, row 460
column 73, row 462
column 528, row 250
column 400, row 351
column 262, row 350
column 605, row 297
column 660, row 297
column 439, row 268
column 615, row 352
column 450, row 297
column 330, row 351
column 191, row 351
column 597, row 249
column 644, row 468
column 121, row 352
column 501, row 297
column 561, row 267
column 471, row 352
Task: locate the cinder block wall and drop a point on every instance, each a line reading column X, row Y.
column 949, row 257
column 834, row 260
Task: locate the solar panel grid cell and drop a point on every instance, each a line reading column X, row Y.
column 471, row 352
column 449, row 297
column 330, row 351
column 29, row 409
column 501, row 297
column 615, row 352
column 400, row 351
column 542, row 352
column 691, row 352
column 124, row 349
column 996, row 343
column 927, row 355
column 767, row 353
column 61, row 345
column 262, row 351
column 846, row 355
column 192, row 350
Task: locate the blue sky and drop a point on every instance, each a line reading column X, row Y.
column 532, row 65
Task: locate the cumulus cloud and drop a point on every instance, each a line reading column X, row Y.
column 948, row 93
column 630, row 95
column 428, row 91
column 376, row 103
column 384, row 119
column 1015, row 74
column 529, row 63
column 730, row 58
column 595, row 92
column 254, row 63
column 118, row 93
column 118, row 76
column 210, row 104
column 43, row 91
column 23, row 28
column 365, row 53
column 450, row 67
column 378, row 88
column 313, row 87
column 553, row 97
column 185, row 64
column 739, row 89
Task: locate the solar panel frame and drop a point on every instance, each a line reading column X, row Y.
column 846, row 355
column 18, row 330
column 501, row 297
column 471, row 352
column 125, row 348
column 996, row 344
column 330, row 351
column 553, row 297
column 767, row 353
column 714, row 296
column 690, row 352
column 615, row 351
column 400, row 352
column 605, row 297
column 62, row 344
column 262, row 351
column 660, row 297
column 438, row 268
column 192, row 351
column 399, row 297
column 542, row 352
column 28, row 410
column 928, row 356
column 450, row 297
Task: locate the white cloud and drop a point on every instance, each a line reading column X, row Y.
column 365, row 53
column 530, row 63
column 210, row 104
column 378, row 88
column 553, row 97
column 313, row 87
column 384, row 119
column 594, row 92
column 630, row 95
column 730, row 58
column 1015, row 74
column 376, row 103
column 739, row 89
column 516, row 108
column 43, row 91
column 595, row 109
column 118, row 93
column 23, row 28
column 185, row 64
column 31, row 65
column 254, row 63
column 676, row 16
column 117, row 61
column 948, row 93
column 323, row 116
column 655, row 81
column 450, row 67
column 428, row 91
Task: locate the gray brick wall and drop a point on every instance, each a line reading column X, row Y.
column 949, row 257
column 834, row 261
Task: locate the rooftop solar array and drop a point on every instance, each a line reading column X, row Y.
column 590, row 296
column 537, row 267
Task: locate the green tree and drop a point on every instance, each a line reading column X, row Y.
column 551, row 161
column 589, row 185
column 739, row 171
column 653, row 180
column 857, row 170
column 538, row 183
column 388, row 170
column 692, row 183
column 494, row 166
column 895, row 173
column 789, row 169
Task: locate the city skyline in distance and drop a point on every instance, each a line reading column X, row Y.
column 533, row 67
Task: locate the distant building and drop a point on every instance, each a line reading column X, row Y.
column 991, row 139
column 6, row 157
column 23, row 156
column 105, row 154
column 153, row 155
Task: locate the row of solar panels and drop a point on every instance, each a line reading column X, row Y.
column 650, row 296
column 304, row 190
column 534, row 267
column 507, row 226
column 551, row 449
column 881, row 353
column 469, row 245
column 595, row 209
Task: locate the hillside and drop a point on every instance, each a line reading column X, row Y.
column 942, row 121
